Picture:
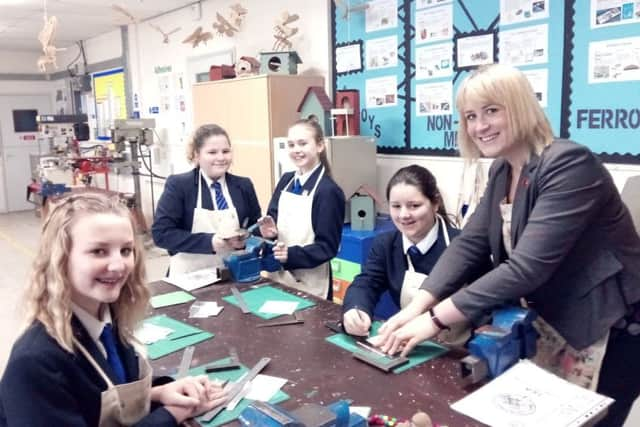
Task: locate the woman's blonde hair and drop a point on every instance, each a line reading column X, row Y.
column 48, row 297
column 509, row 87
column 200, row 136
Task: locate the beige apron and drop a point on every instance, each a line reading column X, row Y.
column 295, row 227
column 412, row 279
column 123, row 404
column 204, row 221
column 553, row 353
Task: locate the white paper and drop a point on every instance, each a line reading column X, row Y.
column 194, row 280
column 363, row 411
column 381, row 15
column 529, row 396
column 381, row 92
column 605, row 13
column 434, row 99
column 149, row 333
column 202, row 309
column 614, row 60
column 524, row 46
column 475, row 50
column 348, row 58
column 539, row 80
column 279, row 307
column 513, row 11
column 264, row 387
column 421, row 4
column 434, row 61
column 434, row 24
column 382, row 52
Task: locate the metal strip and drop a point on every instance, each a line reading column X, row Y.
column 237, row 388
column 185, row 363
column 241, row 302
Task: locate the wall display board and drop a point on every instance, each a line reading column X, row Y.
column 408, row 57
column 111, row 102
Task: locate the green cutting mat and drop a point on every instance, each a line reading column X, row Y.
column 420, row 354
column 172, row 298
column 254, row 299
column 232, row 375
column 183, row 335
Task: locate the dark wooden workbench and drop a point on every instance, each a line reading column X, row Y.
column 318, row 371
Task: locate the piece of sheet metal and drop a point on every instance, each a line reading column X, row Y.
column 237, row 388
column 241, row 302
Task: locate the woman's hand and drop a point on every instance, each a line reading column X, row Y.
column 280, row 252
column 268, row 228
column 356, row 322
column 405, row 338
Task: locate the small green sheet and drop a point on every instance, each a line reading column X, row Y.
column 231, row 375
column 420, row 354
column 255, row 298
column 172, row 298
column 183, row 335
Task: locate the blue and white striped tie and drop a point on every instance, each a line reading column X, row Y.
column 221, row 202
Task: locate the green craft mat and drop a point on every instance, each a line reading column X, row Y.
column 420, row 354
column 254, row 299
column 173, row 342
column 172, row 298
column 231, row 375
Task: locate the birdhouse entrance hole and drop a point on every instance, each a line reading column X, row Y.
column 275, row 64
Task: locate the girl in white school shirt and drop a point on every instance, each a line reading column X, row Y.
column 306, row 214
column 76, row 364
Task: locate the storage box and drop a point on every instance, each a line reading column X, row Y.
column 355, row 244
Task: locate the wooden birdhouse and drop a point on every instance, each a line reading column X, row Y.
column 247, row 66
column 362, row 209
column 316, row 105
column 279, row 62
column 346, row 114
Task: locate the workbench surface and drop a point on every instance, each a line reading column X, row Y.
column 317, row 371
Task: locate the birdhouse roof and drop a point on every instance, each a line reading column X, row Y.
column 251, row 60
column 290, row 53
column 368, row 191
column 322, row 96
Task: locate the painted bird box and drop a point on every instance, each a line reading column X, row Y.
column 279, row 62
column 347, row 112
column 316, row 105
column 362, row 209
column 219, row 72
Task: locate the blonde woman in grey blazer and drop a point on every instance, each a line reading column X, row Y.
column 558, row 234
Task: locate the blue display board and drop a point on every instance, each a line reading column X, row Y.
column 407, row 58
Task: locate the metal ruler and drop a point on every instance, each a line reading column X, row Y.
column 237, row 388
column 243, row 305
column 185, row 363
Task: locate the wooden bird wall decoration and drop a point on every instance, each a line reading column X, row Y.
column 46, row 38
column 224, row 27
column 165, row 36
column 198, row 36
column 283, row 31
column 237, row 14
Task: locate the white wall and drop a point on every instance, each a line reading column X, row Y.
column 21, row 62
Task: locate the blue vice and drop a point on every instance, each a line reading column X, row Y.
column 496, row 347
column 245, row 265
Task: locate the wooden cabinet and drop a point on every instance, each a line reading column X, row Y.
column 253, row 110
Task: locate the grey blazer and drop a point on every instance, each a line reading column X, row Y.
column 576, row 253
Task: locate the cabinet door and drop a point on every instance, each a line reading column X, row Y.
column 241, row 107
